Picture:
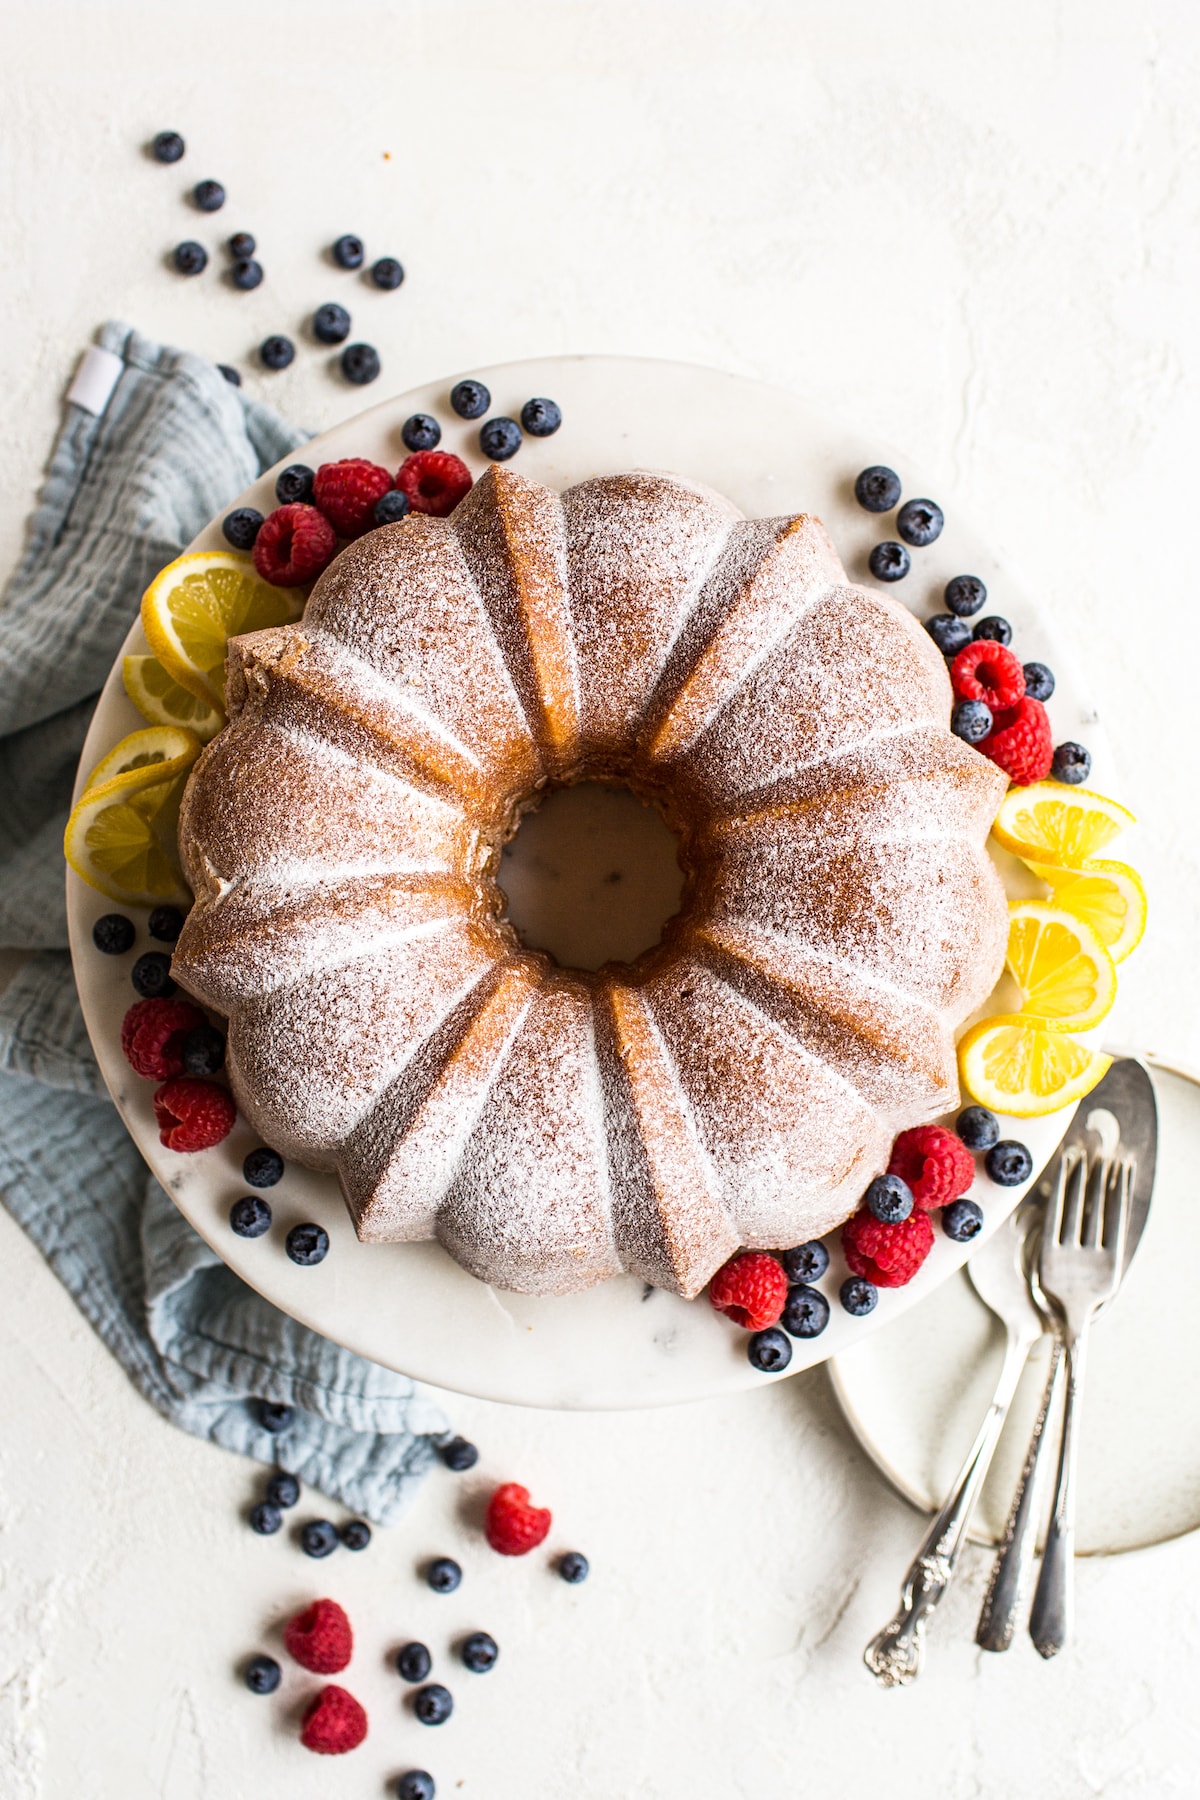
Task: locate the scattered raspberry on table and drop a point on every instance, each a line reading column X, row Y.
column 320, row 1638
column 513, row 1527
column 333, row 1723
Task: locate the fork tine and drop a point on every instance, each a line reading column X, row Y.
column 1099, row 1186
column 1117, row 1205
column 1074, row 1189
column 1052, row 1221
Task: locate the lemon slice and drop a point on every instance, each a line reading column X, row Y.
column 1108, row 896
column 162, row 700
column 1060, row 826
column 121, row 835
column 197, row 604
column 1066, row 976
column 1014, row 1065
column 156, row 754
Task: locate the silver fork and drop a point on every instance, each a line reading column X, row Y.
column 1083, row 1244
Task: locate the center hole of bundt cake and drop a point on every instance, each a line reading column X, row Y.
column 591, row 876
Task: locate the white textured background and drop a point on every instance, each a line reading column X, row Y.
column 975, row 229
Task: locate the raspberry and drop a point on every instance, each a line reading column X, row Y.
column 888, row 1255
column 333, row 1723
column 985, row 670
column 293, row 545
column 347, row 492
column 513, row 1527
column 193, row 1114
column 152, row 1034
column 434, row 481
column 1020, row 742
column 320, row 1638
column 751, row 1289
column 934, row 1162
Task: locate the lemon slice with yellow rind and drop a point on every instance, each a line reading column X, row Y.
column 1014, row 1065
column 1066, row 976
column 165, row 701
column 1056, row 825
column 1108, row 896
column 121, row 835
column 197, row 604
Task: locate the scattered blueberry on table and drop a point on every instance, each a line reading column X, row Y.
column 1072, row 764
column 167, row 147
column 1039, row 680
column 1008, row 1163
column 965, row 595
column 458, row 1454
column 331, row 323
column 355, row 1534
column 232, row 375
column 997, row 629
column 273, row 1415
column 241, row 527
column 360, row 364
column 479, row 1652
column 433, row 1704
column 113, row 934
column 541, row 417
column 348, row 252
column 889, row 1197
column 889, row 562
column 262, row 1674
column 978, row 1128
column 318, row 1538
column 769, row 1350
column 242, row 246
column 858, row 1296
column 470, row 399
column 387, row 273
column 307, row 1245
column 250, row 1217
column 573, row 1567
column 805, row 1262
column 190, row 258
column 294, row 485
column 151, row 975
column 919, row 522
column 805, row 1312
column 265, row 1519
column 246, row 274
column 416, row 1784
column 962, row 1220
column 263, row 1167
column 208, row 196
column 283, row 1490
column 413, row 1662
column 500, row 439
column 421, row 432
column 877, row 489
column 443, row 1574
column 971, row 720
column 276, row 352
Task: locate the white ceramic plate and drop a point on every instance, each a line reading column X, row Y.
column 915, row 1393
column 409, row 1306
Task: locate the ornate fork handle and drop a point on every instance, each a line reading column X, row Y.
column 997, row 1616
column 894, row 1655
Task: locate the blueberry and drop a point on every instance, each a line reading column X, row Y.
column 949, row 634
column 390, row 508
column 996, row 630
column 977, row 1127
column 964, row 596
column 273, row 1415
column 971, row 720
column 573, row 1566
column 479, row 1652
column 889, row 562
column 348, row 252
column 242, row 526
column 1008, row 1163
column 806, row 1262
column 231, row 374
column 877, row 489
column 443, row 1574
column 919, row 522
column 1039, row 680
column 203, row 1050
column 167, row 147
column 421, row 432
column 360, row 364
column 250, row 1217
column 470, row 399
column 262, row 1674
column 262, row 1167
column 246, row 274
column 858, row 1297
column 962, row 1220
column 769, row 1350
column 318, row 1538
column 190, row 258
column 242, row 246
column 890, row 1199
column 416, row 1785
column 500, row 439
column 1072, row 764
column 433, row 1704
column 331, row 323
column 283, row 1490
column 151, row 975
column 209, row 196
column 356, row 1534
column 805, row 1313
column 265, row 1519
column 113, row 934
column 276, row 352
column 541, row 418
column 413, row 1662
column 294, row 485
column 387, row 273
column 307, row 1245
column 458, row 1454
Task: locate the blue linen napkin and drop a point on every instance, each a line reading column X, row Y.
column 130, row 483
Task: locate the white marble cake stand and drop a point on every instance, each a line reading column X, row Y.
column 409, row 1306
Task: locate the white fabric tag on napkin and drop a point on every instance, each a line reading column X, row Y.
column 95, row 379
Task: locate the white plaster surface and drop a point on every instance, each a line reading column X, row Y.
column 974, row 230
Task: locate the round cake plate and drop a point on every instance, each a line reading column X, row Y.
column 914, row 1393
column 409, row 1306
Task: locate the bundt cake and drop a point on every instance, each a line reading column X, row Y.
column 740, row 1083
